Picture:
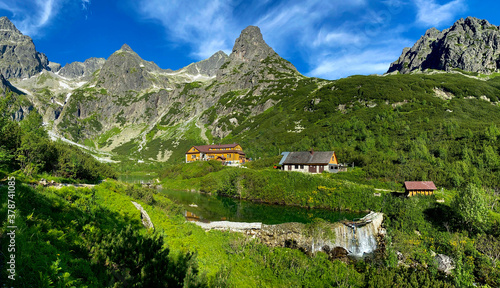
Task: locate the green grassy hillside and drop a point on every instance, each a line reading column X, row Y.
column 397, row 127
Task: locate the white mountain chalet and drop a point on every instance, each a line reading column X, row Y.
column 310, row 161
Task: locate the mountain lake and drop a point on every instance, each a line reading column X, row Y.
column 203, row 207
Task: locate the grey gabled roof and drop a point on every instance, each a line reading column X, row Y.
column 307, row 157
column 285, row 154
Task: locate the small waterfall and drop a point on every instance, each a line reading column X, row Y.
column 362, row 239
column 357, row 240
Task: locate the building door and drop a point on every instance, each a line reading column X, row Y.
column 289, row 167
column 312, row 169
column 321, row 168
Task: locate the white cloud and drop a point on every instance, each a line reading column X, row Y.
column 204, row 25
column 333, row 38
column 302, row 20
column 367, row 61
column 30, row 17
column 209, row 26
column 339, row 39
column 429, row 13
column 85, row 4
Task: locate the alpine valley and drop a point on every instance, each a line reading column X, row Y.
column 434, row 116
column 125, row 107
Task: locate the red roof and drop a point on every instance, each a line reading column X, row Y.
column 420, row 185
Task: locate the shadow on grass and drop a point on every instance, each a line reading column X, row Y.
column 443, row 218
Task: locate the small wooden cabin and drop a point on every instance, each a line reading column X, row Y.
column 419, row 188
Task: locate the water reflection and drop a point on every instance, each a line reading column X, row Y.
column 206, row 208
column 201, row 207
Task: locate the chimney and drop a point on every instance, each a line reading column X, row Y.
column 312, row 151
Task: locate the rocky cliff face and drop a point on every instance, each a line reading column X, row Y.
column 54, row 67
column 79, row 69
column 18, row 56
column 252, row 60
column 130, row 106
column 5, row 86
column 247, row 80
column 207, row 67
column 125, row 70
column 470, row 44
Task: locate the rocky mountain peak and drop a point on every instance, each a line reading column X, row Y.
column 17, row 51
column 472, row 22
column 125, row 70
column 6, row 24
column 251, row 61
column 79, row 69
column 470, row 44
column 208, row 66
column 220, row 53
column 251, row 45
column 126, row 48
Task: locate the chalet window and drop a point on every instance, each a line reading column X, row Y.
column 193, row 156
column 301, row 166
column 296, row 167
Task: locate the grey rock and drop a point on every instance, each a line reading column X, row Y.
column 208, row 66
column 18, row 56
column 125, row 70
column 54, row 67
column 79, row 69
column 252, row 54
column 21, row 112
column 5, row 86
column 251, row 66
column 251, row 46
column 445, row 263
column 471, row 45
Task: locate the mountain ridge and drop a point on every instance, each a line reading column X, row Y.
column 130, row 108
column 471, row 45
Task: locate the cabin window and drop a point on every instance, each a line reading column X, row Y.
column 193, row 156
column 296, row 167
column 301, row 166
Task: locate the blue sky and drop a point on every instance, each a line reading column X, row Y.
column 323, row 38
